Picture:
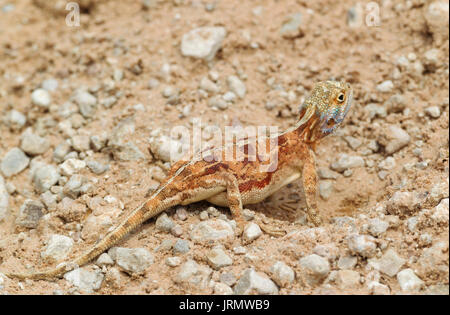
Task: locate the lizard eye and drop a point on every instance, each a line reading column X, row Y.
column 341, row 97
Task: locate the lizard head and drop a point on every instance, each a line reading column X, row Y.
column 325, row 109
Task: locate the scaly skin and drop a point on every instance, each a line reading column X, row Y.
column 237, row 183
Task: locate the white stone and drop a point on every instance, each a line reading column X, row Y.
column 211, row 230
column 282, row 274
column 314, row 268
column 72, row 166
column 84, row 279
column 251, row 232
column 217, row 258
column 41, row 98
column 252, row 282
column 408, row 281
column 58, row 247
column 385, row 86
column 236, row 86
column 14, row 162
column 203, row 42
column 132, row 260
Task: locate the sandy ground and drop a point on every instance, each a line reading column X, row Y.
column 122, row 45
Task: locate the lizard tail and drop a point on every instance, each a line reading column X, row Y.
column 146, row 211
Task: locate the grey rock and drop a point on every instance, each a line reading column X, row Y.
column 58, row 246
column 50, row 85
column 71, row 166
column 325, row 173
column 389, row 264
column 208, row 86
column 211, row 230
column 282, row 274
column 164, row 223
column 387, row 164
column 81, row 142
column 291, row 27
column 202, row 42
column 119, row 142
column 77, row 185
column 218, row 102
column 104, row 260
column 49, row 200
column 14, row 162
column 222, row 289
column 61, row 151
column 4, row 199
column 348, row 279
column 363, row 245
column 132, row 260
column 251, row 232
column 193, row 275
column 385, row 86
column 408, row 281
column 173, row 261
column 347, row 262
column 353, row 142
column 325, row 189
column 373, row 110
column 377, row 227
column 314, row 269
column 346, row 161
column 41, row 98
column 97, row 167
column 15, row 120
column 440, row 213
column 228, row 278
column 45, row 177
column 252, row 282
column 217, row 258
column 236, row 86
column 67, row 109
column 396, row 103
column 403, row 202
column 181, row 247
column 30, row 213
column 87, row 103
column 377, row 288
column 204, row 215
column 33, row 144
column 98, row 142
column 394, row 139
column 84, row 279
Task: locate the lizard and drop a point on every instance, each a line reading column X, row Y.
column 208, row 176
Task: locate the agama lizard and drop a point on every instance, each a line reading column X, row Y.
column 236, row 183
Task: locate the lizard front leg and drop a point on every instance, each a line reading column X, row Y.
column 310, row 187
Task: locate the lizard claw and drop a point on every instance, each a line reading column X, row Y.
column 272, row 231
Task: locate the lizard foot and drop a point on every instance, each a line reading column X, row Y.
column 272, row 231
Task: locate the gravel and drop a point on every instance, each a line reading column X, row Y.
column 71, row 166
column 193, row 275
column 30, row 213
column 385, row 86
column 104, row 260
column 347, row 262
column 389, row 264
column 408, row 281
column 377, row 227
column 211, row 230
column 433, row 111
column 41, row 98
column 14, row 162
column 203, row 42
column 164, row 223
column 348, row 279
column 15, row 120
column 363, row 245
column 85, row 279
column 314, row 269
column 394, row 138
column 181, row 247
column 4, row 199
column 291, row 26
column 345, row 161
column 251, row 232
column 236, row 86
column 86, row 102
column 132, row 260
column 45, row 177
column 217, row 258
column 282, row 274
column 33, row 144
column 252, row 282
column 58, row 247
